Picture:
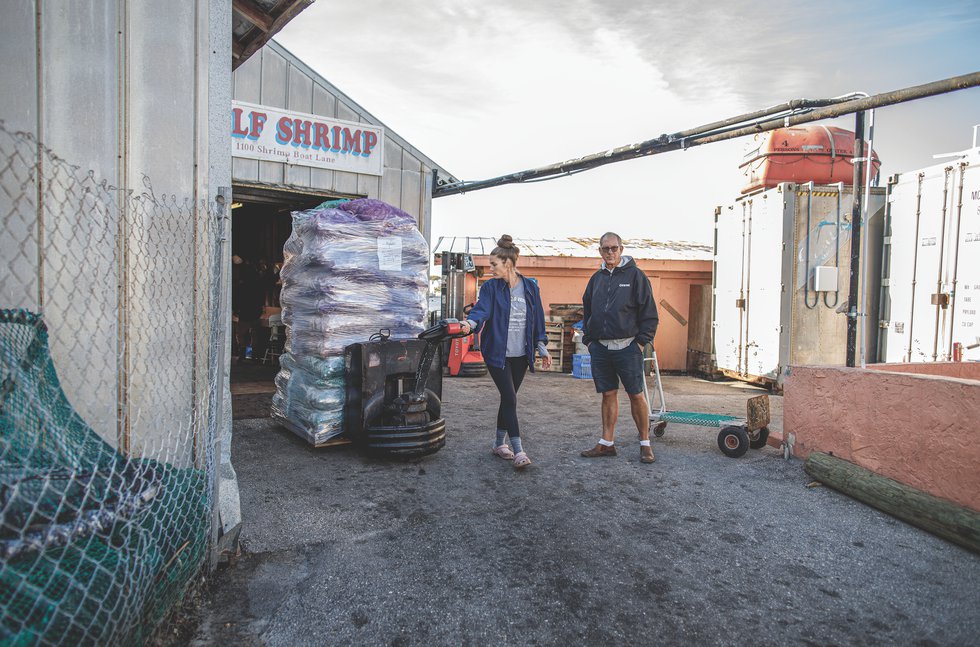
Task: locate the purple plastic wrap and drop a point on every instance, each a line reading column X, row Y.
column 349, row 270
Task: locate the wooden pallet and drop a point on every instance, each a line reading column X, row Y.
column 555, row 330
column 567, row 314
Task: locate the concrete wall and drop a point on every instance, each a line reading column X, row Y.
column 916, row 424
column 563, row 279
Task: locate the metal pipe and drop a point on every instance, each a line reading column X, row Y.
column 714, row 292
column 748, row 284
column 884, row 298
column 806, row 248
column 741, row 291
column 869, row 168
column 942, row 250
column 855, row 268
column 956, row 259
column 717, row 131
column 915, row 261
column 840, row 194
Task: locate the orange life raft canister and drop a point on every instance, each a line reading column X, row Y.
column 815, row 153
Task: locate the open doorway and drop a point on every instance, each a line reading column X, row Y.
column 261, row 222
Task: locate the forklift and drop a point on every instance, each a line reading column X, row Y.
column 462, row 354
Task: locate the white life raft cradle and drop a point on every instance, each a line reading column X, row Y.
column 735, row 435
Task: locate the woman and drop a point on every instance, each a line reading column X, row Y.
column 510, row 313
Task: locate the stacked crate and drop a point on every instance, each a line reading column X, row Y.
column 568, row 314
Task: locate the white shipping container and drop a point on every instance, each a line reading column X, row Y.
column 773, row 250
column 931, row 277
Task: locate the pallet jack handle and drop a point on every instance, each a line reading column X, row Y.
column 432, row 336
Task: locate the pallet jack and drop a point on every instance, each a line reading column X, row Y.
column 735, row 435
column 394, row 392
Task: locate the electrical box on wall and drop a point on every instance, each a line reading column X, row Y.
column 825, row 278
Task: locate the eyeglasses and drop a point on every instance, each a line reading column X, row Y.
column 609, row 250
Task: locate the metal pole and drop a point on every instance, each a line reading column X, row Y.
column 855, row 269
column 869, row 172
column 801, row 111
column 220, row 334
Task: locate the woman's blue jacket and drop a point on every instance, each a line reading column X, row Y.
column 492, row 314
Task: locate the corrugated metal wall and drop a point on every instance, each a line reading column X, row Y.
column 120, row 90
column 274, row 77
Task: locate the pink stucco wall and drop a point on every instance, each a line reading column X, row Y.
column 563, row 280
column 908, row 422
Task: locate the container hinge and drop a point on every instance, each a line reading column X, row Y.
column 940, row 299
column 886, row 283
column 884, row 324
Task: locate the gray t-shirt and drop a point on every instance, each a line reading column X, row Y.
column 517, row 325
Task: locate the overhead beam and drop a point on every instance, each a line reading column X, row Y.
column 798, row 112
column 253, row 13
column 288, row 12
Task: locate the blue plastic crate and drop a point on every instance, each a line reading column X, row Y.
column 582, row 366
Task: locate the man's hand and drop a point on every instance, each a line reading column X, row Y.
column 466, row 327
column 546, row 362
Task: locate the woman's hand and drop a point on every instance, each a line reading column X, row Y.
column 546, row 362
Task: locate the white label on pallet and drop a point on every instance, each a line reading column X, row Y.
column 390, row 254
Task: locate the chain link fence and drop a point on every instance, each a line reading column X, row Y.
column 110, row 352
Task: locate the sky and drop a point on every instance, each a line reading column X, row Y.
column 490, row 87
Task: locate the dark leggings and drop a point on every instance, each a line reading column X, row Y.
column 508, row 380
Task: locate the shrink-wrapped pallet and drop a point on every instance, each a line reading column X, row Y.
column 350, row 270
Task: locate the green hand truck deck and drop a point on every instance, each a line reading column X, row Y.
column 735, row 435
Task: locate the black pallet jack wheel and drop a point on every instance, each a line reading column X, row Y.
column 758, row 438
column 660, row 428
column 733, row 441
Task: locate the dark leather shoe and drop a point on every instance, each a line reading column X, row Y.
column 646, row 455
column 600, row 450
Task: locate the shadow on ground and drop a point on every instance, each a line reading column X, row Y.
column 460, row 549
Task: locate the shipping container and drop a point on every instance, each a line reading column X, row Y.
column 931, row 275
column 781, row 279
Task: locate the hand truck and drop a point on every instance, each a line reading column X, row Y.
column 735, row 435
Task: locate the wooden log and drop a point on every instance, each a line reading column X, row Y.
column 946, row 519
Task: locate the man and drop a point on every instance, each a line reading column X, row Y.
column 247, row 301
column 620, row 319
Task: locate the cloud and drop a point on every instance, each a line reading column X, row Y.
column 493, row 87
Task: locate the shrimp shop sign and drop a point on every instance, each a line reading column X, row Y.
column 264, row 133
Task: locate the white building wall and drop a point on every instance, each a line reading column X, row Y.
column 273, row 77
column 121, row 91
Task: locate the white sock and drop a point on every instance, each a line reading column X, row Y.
column 644, row 443
column 605, row 443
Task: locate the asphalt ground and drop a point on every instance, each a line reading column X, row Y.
column 458, row 548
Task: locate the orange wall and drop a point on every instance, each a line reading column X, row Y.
column 563, row 279
column 915, row 428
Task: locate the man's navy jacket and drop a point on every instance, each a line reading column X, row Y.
column 619, row 305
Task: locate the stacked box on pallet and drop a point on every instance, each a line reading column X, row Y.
column 351, row 270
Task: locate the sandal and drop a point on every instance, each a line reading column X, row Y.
column 504, row 452
column 521, row 460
